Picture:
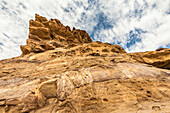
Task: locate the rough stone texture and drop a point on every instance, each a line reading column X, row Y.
column 159, row 58
column 55, row 75
column 47, row 35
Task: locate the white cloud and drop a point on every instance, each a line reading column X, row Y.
column 152, row 19
column 124, row 15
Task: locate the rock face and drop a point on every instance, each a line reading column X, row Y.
column 159, row 58
column 63, row 71
column 47, row 35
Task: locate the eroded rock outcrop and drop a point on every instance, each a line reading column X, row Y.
column 159, row 58
column 63, row 71
column 82, row 84
column 47, row 35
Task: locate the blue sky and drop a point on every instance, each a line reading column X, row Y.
column 136, row 25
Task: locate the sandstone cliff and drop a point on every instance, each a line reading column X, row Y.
column 63, row 70
column 47, row 35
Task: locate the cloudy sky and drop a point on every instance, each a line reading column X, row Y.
column 136, row 25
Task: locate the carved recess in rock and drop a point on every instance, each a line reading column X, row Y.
column 47, row 35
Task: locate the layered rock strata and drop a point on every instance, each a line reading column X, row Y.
column 47, row 35
column 159, row 58
column 64, row 71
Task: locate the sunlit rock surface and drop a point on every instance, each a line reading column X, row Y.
column 62, row 70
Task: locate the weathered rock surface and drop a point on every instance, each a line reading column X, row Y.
column 63, row 71
column 159, row 58
column 47, row 35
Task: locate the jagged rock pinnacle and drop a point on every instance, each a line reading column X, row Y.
column 47, row 35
